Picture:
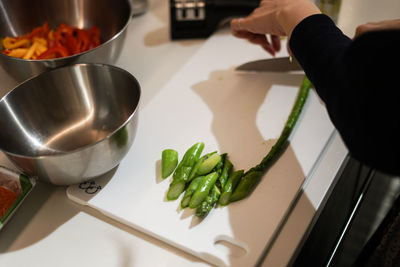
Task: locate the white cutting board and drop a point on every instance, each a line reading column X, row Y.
column 241, row 114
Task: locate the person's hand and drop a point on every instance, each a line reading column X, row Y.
column 260, row 22
column 377, row 26
column 275, row 18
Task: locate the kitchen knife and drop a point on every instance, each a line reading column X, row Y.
column 280, row 64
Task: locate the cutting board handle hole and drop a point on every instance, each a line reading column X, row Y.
column 230, row 247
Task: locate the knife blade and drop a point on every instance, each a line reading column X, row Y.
column 280, row 64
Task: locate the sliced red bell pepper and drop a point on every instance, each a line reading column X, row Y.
column 65, row 40
column 65, row 29
column 71, row 44
column 54, row 52
column 94, row 36
column 83, row 40
column 32, row 34
column 45, row 30
column 58, row 39
column 37, row 32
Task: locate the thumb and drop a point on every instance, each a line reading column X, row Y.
column 237, row 25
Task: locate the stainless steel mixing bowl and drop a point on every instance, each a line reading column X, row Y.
column 70, row 124
column 18, row 17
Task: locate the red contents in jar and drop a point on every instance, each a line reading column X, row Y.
column 7, row 198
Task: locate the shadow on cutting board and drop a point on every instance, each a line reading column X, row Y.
column 236, row 100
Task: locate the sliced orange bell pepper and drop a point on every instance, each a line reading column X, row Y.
column 11, row 43
column 18, row 52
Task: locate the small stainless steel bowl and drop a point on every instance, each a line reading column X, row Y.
column 18, row 17
column 70, row 124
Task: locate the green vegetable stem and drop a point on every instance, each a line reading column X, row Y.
column 177, row 186
column 169, row 161
column 226, row 171
column 230, row 186
column 208, row 204
column 220, row 165
column 203, row 190
column 282, row 141
column 194, row 172
column 208, row 164
column 277, row 149
column 182, row 172
column 194, row 184
column 246, row 185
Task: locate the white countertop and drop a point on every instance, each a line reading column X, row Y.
column 51, row 230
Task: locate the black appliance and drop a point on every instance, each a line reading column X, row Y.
column 200, row 18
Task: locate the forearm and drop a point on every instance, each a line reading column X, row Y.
column 290, row 13
column 319, row 46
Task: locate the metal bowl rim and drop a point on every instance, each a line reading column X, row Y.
column 115, row 36
column 61, row 154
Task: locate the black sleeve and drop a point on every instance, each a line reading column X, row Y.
column 359, row 81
